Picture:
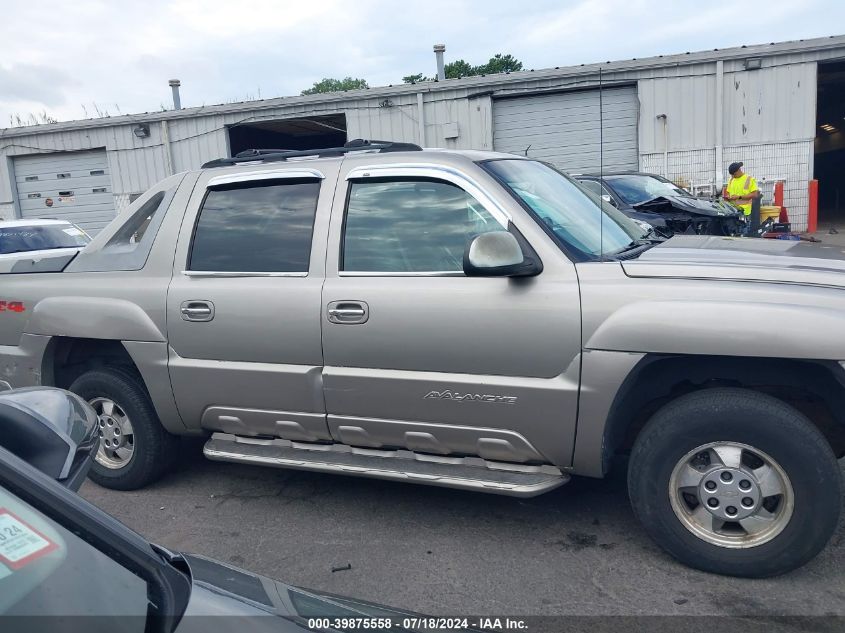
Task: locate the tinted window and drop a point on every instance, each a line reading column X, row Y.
column 20, row 239
column 256, row 228
column 47, row 570
column 411, row 226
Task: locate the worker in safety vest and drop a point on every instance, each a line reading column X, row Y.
column 741, row 189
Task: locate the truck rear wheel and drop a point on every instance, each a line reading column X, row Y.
column 135, row 449
column 735, row 482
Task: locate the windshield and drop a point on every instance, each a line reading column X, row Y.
column 20, row 239
column 577, row 218
column 636, row 188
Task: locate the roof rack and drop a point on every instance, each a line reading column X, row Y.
column 276, row 155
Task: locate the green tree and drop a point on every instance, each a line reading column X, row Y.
column 459, row 68
column 499, row 63
column 336, row 85
column 415, row 79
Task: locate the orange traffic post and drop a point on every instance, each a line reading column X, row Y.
column 778, row 201
column 813, row 207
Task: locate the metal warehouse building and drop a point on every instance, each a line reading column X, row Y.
column 778, row 107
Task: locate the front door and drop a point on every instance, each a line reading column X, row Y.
column 421, row 357
column 244, row 304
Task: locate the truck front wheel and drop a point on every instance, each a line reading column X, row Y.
column 735, row 482
column 135, row 449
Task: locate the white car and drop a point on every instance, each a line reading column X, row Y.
column 40, row 237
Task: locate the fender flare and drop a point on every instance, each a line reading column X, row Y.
column 723, row 328
column 93, row 317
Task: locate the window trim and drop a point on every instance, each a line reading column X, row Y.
column 436, row 172
column 308, row 175
column 227, row 273
column 276, row 174
column 422, row 173
column 425, row 273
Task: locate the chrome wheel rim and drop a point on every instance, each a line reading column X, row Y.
column 117, row 439
column 731, row 495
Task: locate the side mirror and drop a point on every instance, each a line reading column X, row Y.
column 53, row 430
column 497, row 254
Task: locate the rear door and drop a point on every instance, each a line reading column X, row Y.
column 243, row 308
column 418, row 355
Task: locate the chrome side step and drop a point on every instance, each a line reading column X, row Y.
column 469, row 473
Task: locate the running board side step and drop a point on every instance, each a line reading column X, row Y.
column 468, row 473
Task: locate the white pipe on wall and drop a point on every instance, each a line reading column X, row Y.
column 720, row 87
column 421, row 118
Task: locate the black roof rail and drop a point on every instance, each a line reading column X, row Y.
column 277, row 155
column 258, row 152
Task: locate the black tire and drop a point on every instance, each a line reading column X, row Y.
column 154, row 449
column 759, row 421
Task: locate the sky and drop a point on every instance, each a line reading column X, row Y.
column 83, row 58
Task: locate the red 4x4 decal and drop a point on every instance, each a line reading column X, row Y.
column 11, row 306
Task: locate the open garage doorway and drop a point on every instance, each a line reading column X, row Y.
column 311, row 132
column 829, row 157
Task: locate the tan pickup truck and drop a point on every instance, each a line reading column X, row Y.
column 464, row 319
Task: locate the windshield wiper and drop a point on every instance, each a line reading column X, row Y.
column 636, row 247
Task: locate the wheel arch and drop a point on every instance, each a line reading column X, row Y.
column 815, row 387
column 66, row 358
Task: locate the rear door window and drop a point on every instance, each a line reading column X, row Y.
column 256, row 227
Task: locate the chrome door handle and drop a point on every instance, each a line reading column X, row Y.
column 197, row 310
column 348, row 312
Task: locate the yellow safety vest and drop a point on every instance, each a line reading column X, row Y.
column 742, row 186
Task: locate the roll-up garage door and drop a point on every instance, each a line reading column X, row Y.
column 73, row 186
column 563, row 128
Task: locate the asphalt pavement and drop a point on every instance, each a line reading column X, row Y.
column 575, row 551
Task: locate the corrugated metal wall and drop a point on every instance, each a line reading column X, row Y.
column 136, row 163
column 775, row 104
column 577, row 131
column 768, row 122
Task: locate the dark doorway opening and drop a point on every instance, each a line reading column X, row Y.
column 829, row 153
column 312, row 132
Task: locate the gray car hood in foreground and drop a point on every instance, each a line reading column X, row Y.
column 742, row 259
column 221, row 590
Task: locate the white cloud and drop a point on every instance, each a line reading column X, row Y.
column 59, row 56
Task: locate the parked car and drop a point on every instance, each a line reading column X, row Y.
column 670, row 209
column 465, row 319
column 37, row 238
column 63, row 560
